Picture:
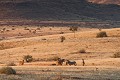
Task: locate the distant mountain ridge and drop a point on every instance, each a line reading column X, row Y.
column 106, row 1
column 57, row 10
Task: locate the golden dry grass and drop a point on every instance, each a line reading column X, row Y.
column 98, row 53
column 42, row 48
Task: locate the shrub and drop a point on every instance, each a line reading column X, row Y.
column 4, row 29
column 28, row 58
column 73, row 29
column 13, row 28
column 7, row 70
column 44, row 39
column 11, row 64
column 82, row 51
column 116, row 55
column 101, row 34
column 21, row 62
column 61, row 32
column 62, row 38
column 34, row 32
column 38, row 28
column 54, row 58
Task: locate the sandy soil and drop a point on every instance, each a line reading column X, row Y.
column 44, row 45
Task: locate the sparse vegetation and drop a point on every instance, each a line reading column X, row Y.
column 61, row 32
column 44, row 39
column 25, row 28
column 4, row 29
column 62, row 38
column 34, row 32
column 13, row 28
column 11, row 64
column 73, row 29
column 28, row 58
column 21, row 62
column 100, row 29
column 96, row 52
column 101, row 34
column 3, row 46
column 54, row 58
column 7, row 70
column 38, row 28
column 116, row 55
column 82, row 51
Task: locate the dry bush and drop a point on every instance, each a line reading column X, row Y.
column 50, row 28
column 28, row 58
column 7, row 30
column 82, row 51
column 116, row 55
column 73, row 29
column 7, row 70
column 4, row 46
column 100, row 29
column 62, row 38
column 61, row 32
column 25, row 28
column 21, row 62
column 30, row 31
column 34, row 32
column 4, row 29
column 54, row 58
column 13, row 28
column 38, row 28
column 101, row 34
column 44, row 39
column 11, row 64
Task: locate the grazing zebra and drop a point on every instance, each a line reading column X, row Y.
column 60, row 61
column 71, row 62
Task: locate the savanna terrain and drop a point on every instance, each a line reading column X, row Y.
column 43, row 43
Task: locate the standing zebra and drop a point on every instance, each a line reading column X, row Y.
column 71, row 62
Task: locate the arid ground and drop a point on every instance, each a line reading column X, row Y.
column 44, row 44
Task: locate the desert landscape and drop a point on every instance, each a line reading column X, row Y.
column 44, row 44
column 59, row 39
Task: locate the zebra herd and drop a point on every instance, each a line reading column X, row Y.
column 68, row 62
column 60, row 62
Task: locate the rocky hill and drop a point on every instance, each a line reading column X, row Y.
column 57, row 10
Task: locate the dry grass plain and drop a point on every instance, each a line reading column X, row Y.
column 44, row 44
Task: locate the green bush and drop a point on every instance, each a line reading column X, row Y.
column 28, row 58
column 116, row 55
column 101, row 34
column 7, row 70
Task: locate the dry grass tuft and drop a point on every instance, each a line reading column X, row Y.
column 11, row 64
column 101, row 34
column 82, row 51
column 116, row 55
column 7, row 70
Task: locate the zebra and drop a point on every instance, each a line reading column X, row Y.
column 71, row 62
column 60, row 61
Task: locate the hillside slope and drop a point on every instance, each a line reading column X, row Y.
column 57, row 10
